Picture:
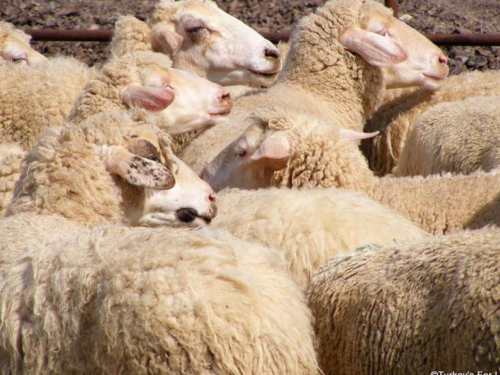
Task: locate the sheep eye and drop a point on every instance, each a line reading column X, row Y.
column 241, row 152
column 195, row 29
column 153, row 158
column 18, row 59
column 384, row 32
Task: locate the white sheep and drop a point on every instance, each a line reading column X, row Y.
column 15, row 47
column 340, row 61
column 457, row 137
column 114, row 166
column 310, row 226
column 413, row 308
column 144, row 79
column 398, row 114
column 202, row 39
column 288, row 150
column 120, row 300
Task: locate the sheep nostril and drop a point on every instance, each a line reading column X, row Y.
column 272, row 53
column 443, row 60
column 211, row 197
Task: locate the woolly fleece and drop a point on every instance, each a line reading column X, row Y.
column 411, row 308
column 310, row 226
column 457, row 137
column 118, row 300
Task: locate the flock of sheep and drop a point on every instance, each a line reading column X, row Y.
column 318, row 255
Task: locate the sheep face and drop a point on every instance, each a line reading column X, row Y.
column 266, row 147
column 204, row 40
column 157, row 188
column 406, row 56
column 15, row 47
column 198, row 102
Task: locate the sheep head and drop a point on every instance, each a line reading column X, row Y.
column 15, row 47
column 259, row 157
column 204, row 40
column 407, row 57
column 115, row 166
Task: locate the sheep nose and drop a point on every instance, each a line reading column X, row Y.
column 442, row 59
column 225, row 101
column 271, row 53
column 224, row 95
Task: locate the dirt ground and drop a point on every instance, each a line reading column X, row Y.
column 428, row 16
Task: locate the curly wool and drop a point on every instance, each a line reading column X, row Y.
column 64, row 173
column 320, row 78
column 104, row 91
column 118, row 300
column 411, row 308
column 11, row 157
column 310, row 226
column 400, row 111
column 37, row 97
column 456, row 137
column 130, row 35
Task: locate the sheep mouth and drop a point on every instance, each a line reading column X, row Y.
column 263, row 74
column 219, row 114
column 188, row 215
column 434, row 77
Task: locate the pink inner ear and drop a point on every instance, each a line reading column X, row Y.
column 375, row 49
column 150, row 98
column 166, row 41
column 274, row 147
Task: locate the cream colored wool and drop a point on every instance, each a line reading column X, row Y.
column 320, row 78
column 64, row 173
column 457, row 137
column 37, row 97
column 411, row 308
column 7, row 30
column 118, row 300
column 396, row 117
column 11, row 156
column 104, row 91
column 310, row 226
column 130, row 35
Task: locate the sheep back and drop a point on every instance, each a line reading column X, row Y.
column 117, row 300
column 411, row 308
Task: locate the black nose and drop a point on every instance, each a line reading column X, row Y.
column 273, row 53
column 186, row 215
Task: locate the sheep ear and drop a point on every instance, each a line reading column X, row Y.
column 375, row 49
column 137, row 170
column 351, row 134
column 165, row 40
column 275, row 149
column 147, row 97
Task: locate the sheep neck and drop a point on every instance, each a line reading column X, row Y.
column 318, row 63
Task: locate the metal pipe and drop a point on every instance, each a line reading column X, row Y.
column 392, row 4
column 105, row 36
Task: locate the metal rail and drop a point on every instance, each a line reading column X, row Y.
column 105, row 36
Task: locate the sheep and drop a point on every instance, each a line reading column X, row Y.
column 412, row 308
column 396, row 116
column 144, row 79
column 310, row 226
column 15, row 47
column 201, row 39
column 340, row 61
column 120, row 300
column 285, row 150
column 114, row 166
column 457, row 137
